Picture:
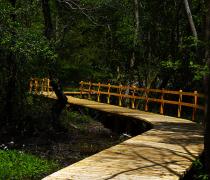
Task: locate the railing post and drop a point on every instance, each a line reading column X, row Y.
column 108, row 97
column 36, row 86
column 162, row 102
column 120, row 97
column 48, row 86
column 133, row 98
column 31, row 85
column 42, row 86
column 179, row 105
column 99, row 92
column 89, row 90
column 195, row 104
column 146, row 98
column 81, row 88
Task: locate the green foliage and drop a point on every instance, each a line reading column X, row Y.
column 96, row 39
column 171, row 65
column 198, row 169
column 199, row 71
column 19, row 165
column 76, row 119
column 23, row 36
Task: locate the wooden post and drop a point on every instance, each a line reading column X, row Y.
column 89, row 90
column 108, row 97
column 162, row 102
column 120, row 97
column 31, row 85
column 133, row 98
column 195, row 104
column 42, row 86
column 99, row 92
column 36, row 86
column 48, row 87
column 46, row 84
column 81, row 89
column 146, row 98
column 179, row 105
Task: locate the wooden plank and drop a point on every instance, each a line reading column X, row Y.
column 165, row 152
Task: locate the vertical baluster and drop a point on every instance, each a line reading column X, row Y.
column 146, row 98
column 31, row 85
column 36, row 86
column 180, row 105
column 81, row 89
column 108, row 97
column 42, row 86
column 133, row 98
column 195, row 104
column 45, row 84
column 48, row 86
column 162, row 102
column 120, row 97
column 99, row 92
column 89, row 90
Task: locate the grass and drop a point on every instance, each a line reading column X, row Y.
column 18, row 165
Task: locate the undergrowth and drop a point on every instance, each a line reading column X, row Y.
column 19, row 165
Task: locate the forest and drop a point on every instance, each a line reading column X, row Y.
column 158, row 44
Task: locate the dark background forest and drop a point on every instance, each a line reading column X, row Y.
column 159, row 44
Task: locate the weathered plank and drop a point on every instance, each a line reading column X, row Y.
column 164, row 152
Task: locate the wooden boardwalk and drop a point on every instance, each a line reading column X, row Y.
column 164, row 152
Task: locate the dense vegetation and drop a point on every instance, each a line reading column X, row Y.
column 160, row 44
column 19, row 165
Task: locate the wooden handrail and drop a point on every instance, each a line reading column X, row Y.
column 146, row 95
column 39, row 85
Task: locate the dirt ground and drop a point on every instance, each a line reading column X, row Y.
column 68, row 146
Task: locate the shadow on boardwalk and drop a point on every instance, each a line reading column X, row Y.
column 164, row 152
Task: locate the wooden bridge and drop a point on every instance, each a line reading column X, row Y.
column 164, row 152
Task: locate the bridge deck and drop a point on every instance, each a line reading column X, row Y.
column 164, row 152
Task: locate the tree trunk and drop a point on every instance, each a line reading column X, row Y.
column 136, row 34
column 207, row 33
column 10, row 89
column 207, row 127
column 191, row 22
column 47, row 19
column 207, row 90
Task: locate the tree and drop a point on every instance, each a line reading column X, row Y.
column 207, row 89
column 191, row 22
column 23, row 48
column 47, row 19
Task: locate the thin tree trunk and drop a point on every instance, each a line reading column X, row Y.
column 207, row 90
column 207, row 33
column 207, row 127
column 191, row 22
column 11, row 83
column 47, row 19
column 136, row 34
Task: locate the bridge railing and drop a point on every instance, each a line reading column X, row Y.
column 130, row 95
column 39, row 85
column 193, row 100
